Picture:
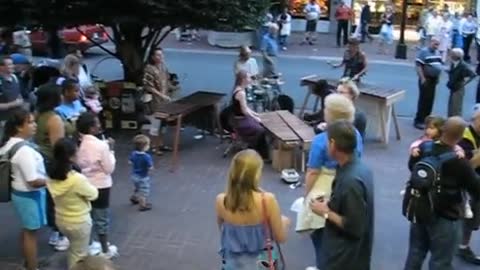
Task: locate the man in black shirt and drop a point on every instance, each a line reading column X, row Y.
column 348, row 234
column 440, row 236
column 470, row 144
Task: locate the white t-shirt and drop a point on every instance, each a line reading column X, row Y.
column 27, row 165
column 250, row 67
column 84, row 80
column 312, row 11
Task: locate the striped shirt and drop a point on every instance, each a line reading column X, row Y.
column 431, row 61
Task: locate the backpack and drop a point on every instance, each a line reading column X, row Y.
column 6, row 172
column 424, row 185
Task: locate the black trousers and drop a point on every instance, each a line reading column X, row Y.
column 342, row 27
column 467, row 42
column 426, row 98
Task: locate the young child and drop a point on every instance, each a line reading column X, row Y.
column 92, row 100
column 433, row 131
column 96, row 159
column 141, row 163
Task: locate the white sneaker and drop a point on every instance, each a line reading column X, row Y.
column 95, row 248
column 312, row 268
column 53, row 240
column 112, row 252
column 62, row 244
column 468, row 211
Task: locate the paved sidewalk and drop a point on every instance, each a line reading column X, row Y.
column 181, row 233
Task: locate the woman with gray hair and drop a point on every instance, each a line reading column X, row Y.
column 459, row 75
column 321, row 171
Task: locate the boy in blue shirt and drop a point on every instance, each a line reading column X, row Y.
column 71, row 107
column 141, row 163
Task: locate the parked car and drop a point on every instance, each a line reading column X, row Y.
column 71, row 37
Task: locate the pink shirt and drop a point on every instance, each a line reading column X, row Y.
column 422, row 139
column 96, row 161
column 94, row 104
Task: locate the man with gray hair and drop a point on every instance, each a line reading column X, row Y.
column 459, row 75
column 429, row 65
column 269, row 48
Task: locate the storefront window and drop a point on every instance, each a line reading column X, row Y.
column 297, row 6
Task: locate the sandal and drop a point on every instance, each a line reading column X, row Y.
column 165, row 148
column 146, row 207
column 134, row 200
column 157, row 152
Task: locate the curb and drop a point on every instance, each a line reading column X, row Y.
column 392, row 62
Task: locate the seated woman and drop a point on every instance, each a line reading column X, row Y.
column 245, row 121
column 354, row 61
column 349, row 89
column 247, row 216
column 321, row 171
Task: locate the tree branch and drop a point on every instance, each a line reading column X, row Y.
column 106, row 32
column 148, row 34
column 98, row 44
column 163, row 36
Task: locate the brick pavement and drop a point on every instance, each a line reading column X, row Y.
column 181, row 232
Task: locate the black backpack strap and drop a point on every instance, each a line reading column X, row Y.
column 15, row 148
column 447, row 156
column 426, row 148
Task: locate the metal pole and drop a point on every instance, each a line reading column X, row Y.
column 401, row 51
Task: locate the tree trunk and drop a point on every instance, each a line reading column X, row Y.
column 131, row 57
column 130, row 50
column 54, row 43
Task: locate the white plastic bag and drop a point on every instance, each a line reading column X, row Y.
column 297, row 205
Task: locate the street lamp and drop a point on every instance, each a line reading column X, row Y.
column 401, row 51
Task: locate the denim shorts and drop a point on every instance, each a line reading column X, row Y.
column 101, row 220
column 142, row 185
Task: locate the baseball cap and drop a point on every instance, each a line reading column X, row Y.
column 19, row 59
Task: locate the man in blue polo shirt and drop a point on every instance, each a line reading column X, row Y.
column 429, row 66
column 269, row 48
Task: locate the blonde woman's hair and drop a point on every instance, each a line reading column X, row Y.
column 351, row 86
column 68, row 64
column 338, row 107
column 243, row 181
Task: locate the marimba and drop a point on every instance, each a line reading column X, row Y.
column 378, row 104
column 290, row 132
column 178, row 110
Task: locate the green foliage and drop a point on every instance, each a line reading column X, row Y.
column 209, row 14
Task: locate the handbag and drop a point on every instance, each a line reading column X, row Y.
column 272, row 257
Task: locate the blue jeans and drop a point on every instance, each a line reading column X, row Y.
column 101, row 220
column 316, row 237
column 441, row 238
column 282, row 40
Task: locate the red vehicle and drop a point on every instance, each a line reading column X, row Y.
column 71, row 37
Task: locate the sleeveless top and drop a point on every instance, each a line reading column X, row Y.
column 353, row 64
column 41, row 136
column 237, row 108
column 242, row 239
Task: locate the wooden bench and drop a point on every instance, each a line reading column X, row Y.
column 290, row 132
column 178, row 110
column 376, row 102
